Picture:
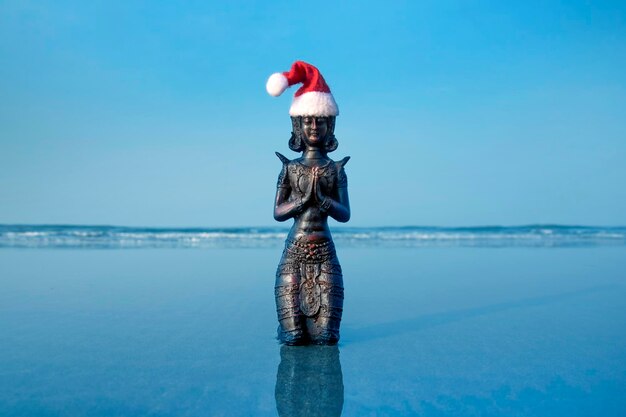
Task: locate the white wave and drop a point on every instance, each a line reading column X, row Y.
column 111, row 237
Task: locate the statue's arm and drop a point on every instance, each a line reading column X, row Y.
column 339, row 208
column 283, row 208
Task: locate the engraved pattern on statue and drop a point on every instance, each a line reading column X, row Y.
column 310, row 291
column 283, row 180
column 342, row 179
column 301, row 175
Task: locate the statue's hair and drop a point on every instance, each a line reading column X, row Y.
column 296, row 143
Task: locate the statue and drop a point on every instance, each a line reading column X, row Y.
column 309, row 282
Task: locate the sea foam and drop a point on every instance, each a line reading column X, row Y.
column 117, row 237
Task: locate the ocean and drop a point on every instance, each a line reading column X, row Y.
column 115, row 237
column 477, row 321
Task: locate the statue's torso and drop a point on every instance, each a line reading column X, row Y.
column 301, row 175
column 312, row 223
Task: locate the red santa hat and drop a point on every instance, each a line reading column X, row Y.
column 312, row 99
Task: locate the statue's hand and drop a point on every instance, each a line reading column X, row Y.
column 310, row 192
column 319, row 197
column 322, row 201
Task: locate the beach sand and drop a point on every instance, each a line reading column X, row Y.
column 426, row 331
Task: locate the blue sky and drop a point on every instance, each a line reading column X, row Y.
column 454, row 113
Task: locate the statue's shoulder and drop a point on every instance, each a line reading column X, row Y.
column 341, row 163
column 342, row 179
column 283, row 180
column 283, row 158
column 288, row 163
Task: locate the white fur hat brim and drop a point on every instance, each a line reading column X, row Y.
column 314, row 103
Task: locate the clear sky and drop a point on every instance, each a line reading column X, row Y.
column 455, row 113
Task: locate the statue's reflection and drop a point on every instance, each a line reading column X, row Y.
column 309, row 382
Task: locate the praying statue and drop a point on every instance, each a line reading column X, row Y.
column 309, row 281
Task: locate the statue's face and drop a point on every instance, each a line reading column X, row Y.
column 315, row 130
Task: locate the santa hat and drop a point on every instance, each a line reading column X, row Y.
column 312, row 99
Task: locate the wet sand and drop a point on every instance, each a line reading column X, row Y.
column 426, row 331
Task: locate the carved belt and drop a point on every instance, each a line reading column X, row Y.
column 309, row 252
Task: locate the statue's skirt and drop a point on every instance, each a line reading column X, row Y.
column 309, row 293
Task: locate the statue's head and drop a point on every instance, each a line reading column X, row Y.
column 313, row 131
column 313, row 109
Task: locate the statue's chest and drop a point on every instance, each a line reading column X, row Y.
column 301, row 176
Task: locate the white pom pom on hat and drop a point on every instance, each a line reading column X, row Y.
column 312, row 99
column 276, row 84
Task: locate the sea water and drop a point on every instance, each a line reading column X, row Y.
column 490, row 322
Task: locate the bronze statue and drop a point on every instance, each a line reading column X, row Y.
column 309, row 282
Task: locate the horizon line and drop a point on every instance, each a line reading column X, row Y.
column 283, row 226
